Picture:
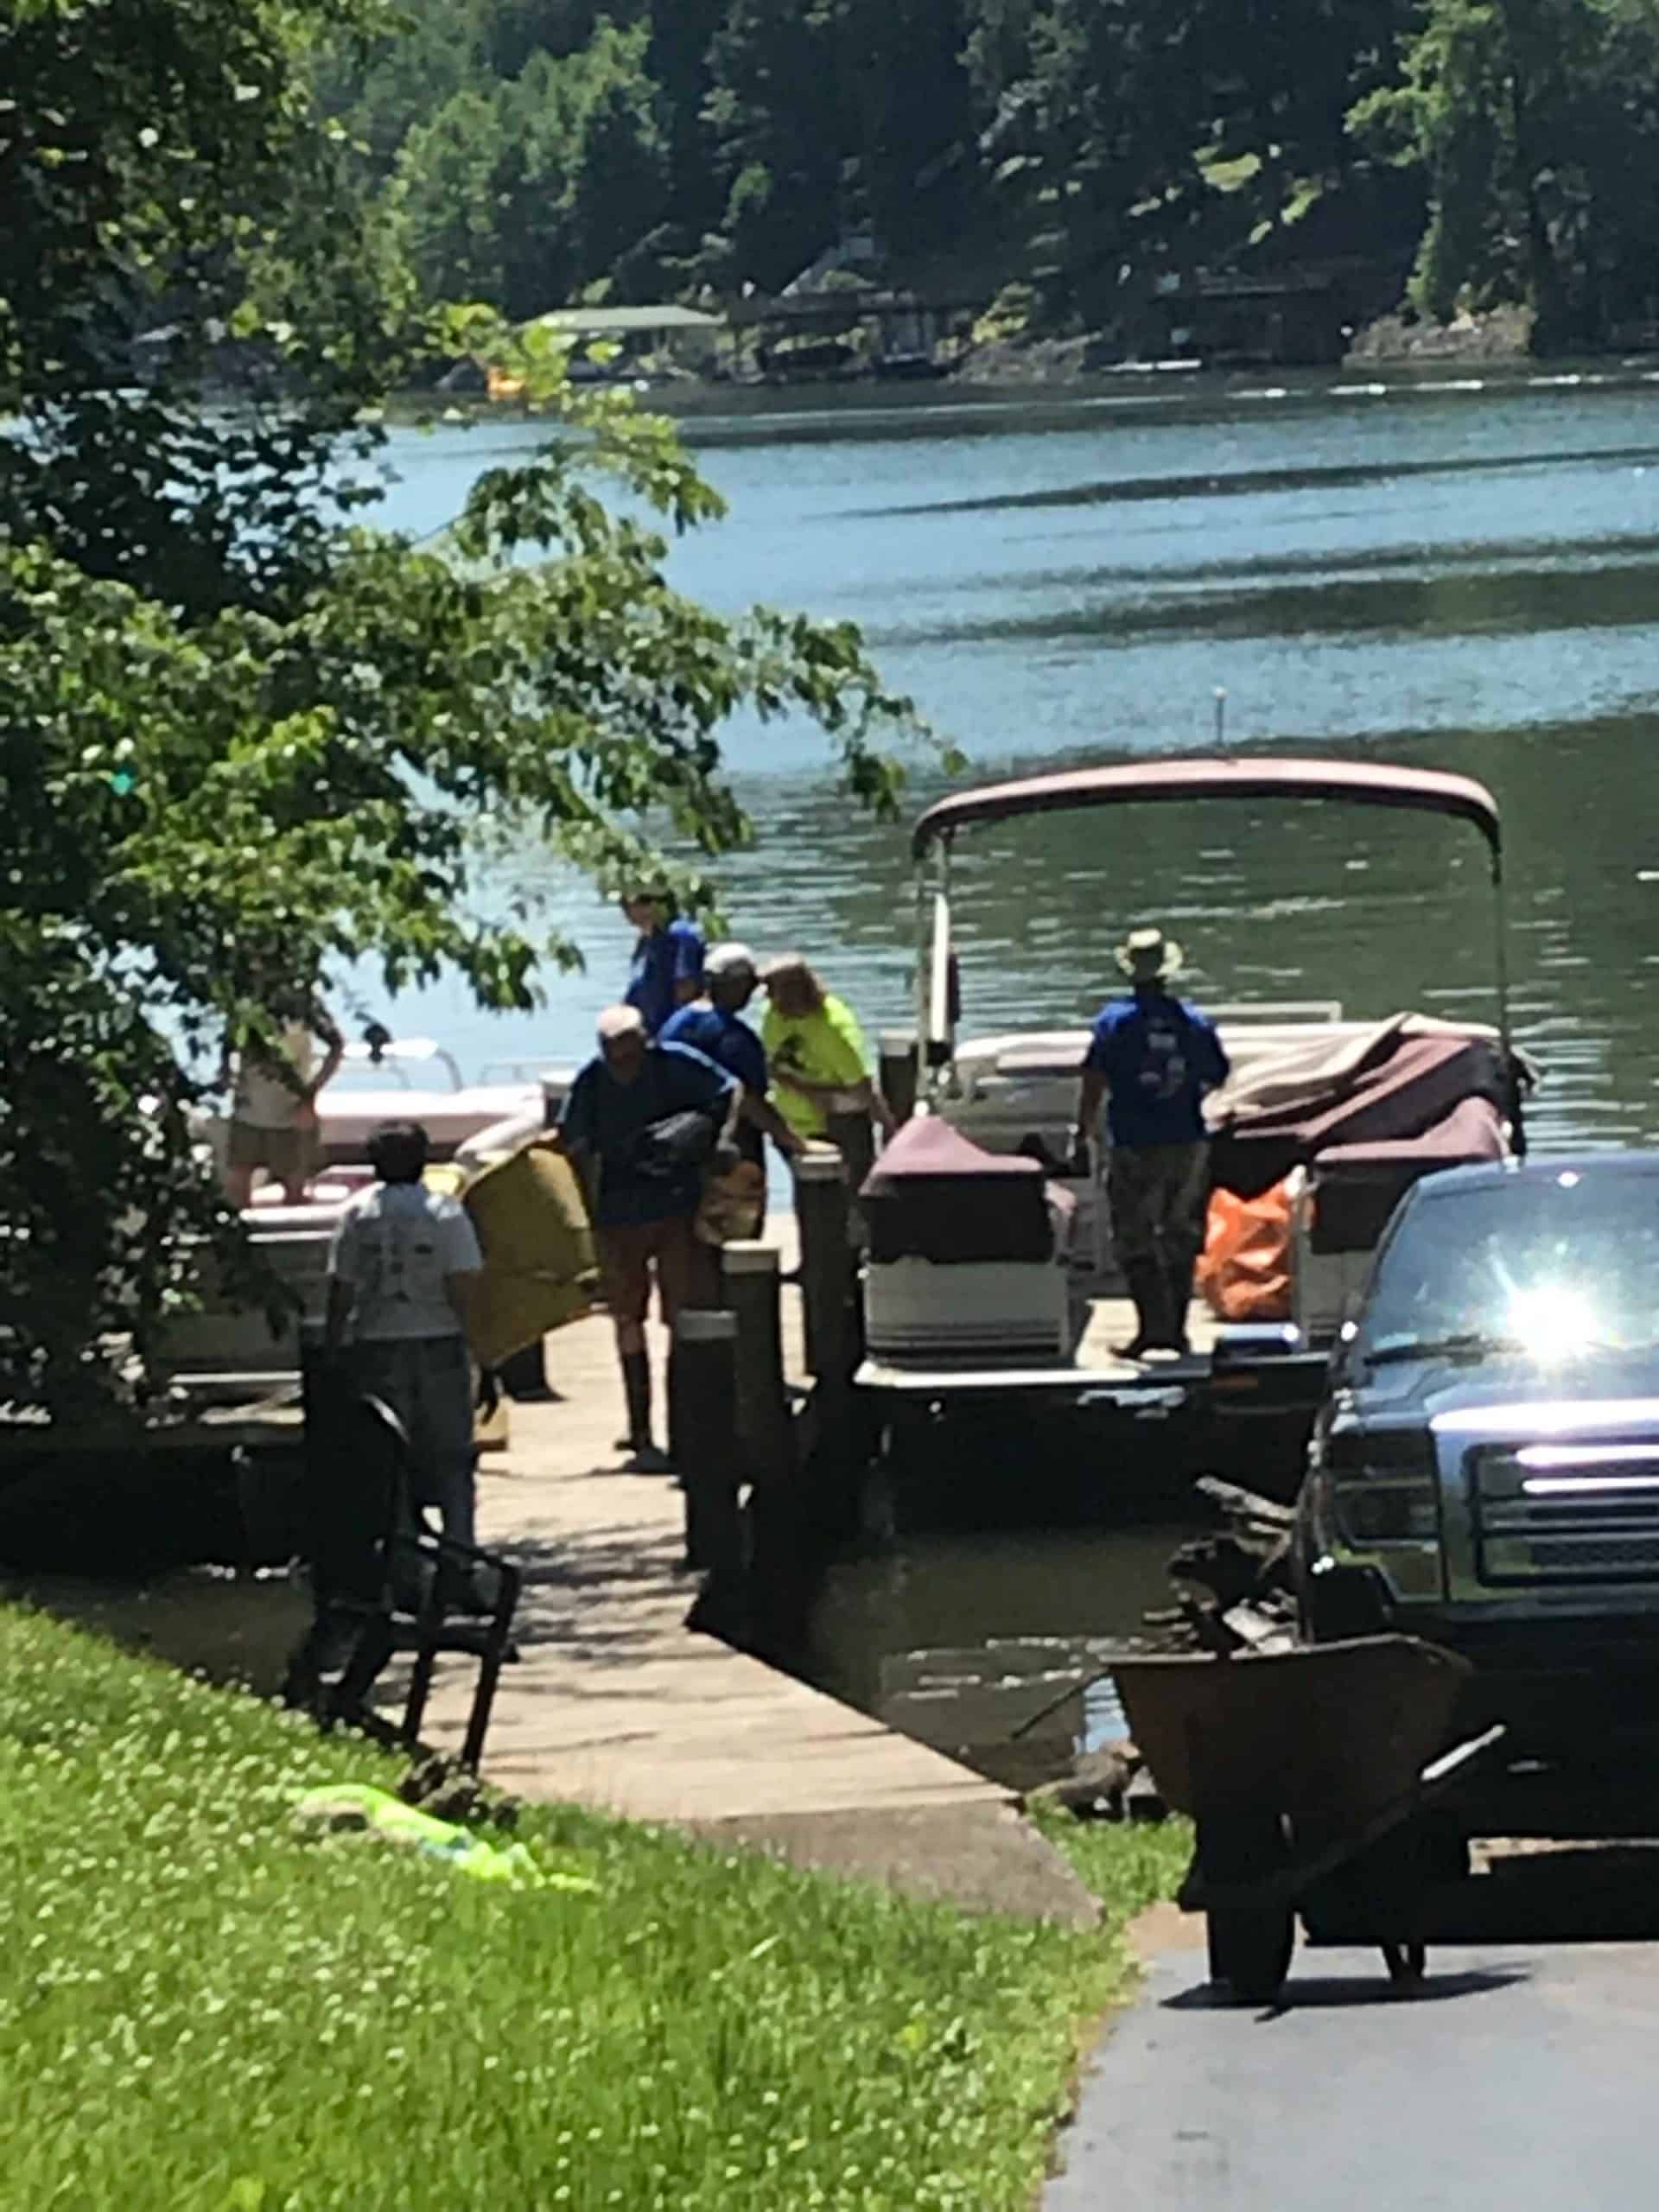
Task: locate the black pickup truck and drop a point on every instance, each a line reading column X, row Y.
column 1483, row 1472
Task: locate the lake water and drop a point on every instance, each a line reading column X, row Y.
column 1449, row 569
column 1461, row 571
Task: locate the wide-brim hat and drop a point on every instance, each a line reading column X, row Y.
column 1150, row 956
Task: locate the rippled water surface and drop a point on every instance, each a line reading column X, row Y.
column 1454, row 570
column 1461, row 571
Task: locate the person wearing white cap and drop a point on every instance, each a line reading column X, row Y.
column 1154, row 1056
column 646, row 1116
column 713, row 1024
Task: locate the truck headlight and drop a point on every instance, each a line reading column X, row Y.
column 1379, row 1507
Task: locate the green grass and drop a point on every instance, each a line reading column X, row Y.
column 204, row 2010
column 1127, row 1868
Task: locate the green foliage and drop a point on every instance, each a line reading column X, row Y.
column 1008, row 315
column 1534, row 123
column 1129, row 1865
column 203, row 2008
column 523, row 192
column 1090, row 147
column 250, row 742
column 1144, row 142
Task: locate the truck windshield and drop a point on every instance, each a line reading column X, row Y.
column 1550, row 1267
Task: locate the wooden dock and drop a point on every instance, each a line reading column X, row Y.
column 617, row 1701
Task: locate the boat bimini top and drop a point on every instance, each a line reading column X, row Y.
column 1228, row 776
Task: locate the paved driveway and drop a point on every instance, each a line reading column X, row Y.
column 1524, row 2078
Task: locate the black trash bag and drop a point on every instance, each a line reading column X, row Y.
column 677, row 1144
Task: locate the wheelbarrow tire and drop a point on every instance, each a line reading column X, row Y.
column 1250, row 1944
column 1250, row 1948
column 1407, row 1963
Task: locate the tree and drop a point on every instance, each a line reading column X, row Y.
column 777, row 115
column 447, row 198
column 1144, row 140
column 1534, row 125
column 843, row 115
column 619, row 191
column 678, row 62
column 249, row 739
column 522, row 194
column 384, row 87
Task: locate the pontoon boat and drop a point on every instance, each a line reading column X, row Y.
column 990, row 1261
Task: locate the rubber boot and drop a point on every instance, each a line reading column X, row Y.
column 1178, row 1298
column 1145, row 1282
column 524, row 1377
column 636, row 1385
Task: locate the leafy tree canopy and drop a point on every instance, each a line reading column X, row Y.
column 1535, row 125
column 249, row 738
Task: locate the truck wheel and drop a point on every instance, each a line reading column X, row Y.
column 1250, row 1949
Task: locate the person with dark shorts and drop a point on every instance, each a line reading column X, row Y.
column 1154, row 1056
column 644, row 1117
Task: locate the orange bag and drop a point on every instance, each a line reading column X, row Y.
column 1245, row 1272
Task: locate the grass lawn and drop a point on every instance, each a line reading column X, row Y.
column 1128, row 1867
column 204, row 2010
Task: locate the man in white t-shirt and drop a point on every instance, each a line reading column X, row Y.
column 401, row 1270
column 274, row 1109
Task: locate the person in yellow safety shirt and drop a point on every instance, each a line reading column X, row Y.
column 816, row 1053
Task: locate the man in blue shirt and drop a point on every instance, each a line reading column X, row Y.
column 1154, row 1056
column 714, row 1025
column 667, row 968
column 626, row 1118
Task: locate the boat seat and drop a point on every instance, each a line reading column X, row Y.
column 935, row 1195
column 968, row 1254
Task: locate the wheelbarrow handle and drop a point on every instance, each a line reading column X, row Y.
column 1289, row 1882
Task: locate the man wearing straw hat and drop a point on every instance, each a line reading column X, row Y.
column 1154, row 1056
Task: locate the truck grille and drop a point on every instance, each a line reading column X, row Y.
column 1567, row 1513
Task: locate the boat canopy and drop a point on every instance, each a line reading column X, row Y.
column 1226, row 776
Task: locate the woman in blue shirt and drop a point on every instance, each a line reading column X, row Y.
column 667, row 968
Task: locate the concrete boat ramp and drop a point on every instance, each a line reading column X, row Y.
column 616, row 1701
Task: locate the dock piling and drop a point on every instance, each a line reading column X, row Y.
column 821, row 1211
column 750, row 1282
column 703, row 1396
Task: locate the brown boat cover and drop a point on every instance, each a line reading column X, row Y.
column 1398, row 1095
column 935, row 1195
column 1359, row 1185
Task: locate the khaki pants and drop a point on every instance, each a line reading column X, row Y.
column 1159, row 1196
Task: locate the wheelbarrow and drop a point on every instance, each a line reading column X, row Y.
column 1317, row 1780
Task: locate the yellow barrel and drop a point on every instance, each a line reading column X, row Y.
column 539, row 1266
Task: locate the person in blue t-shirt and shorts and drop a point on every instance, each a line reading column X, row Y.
column 1154, row 1056
column 714, row 1025
column 644, row 1192
column 667, row 968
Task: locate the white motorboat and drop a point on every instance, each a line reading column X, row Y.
column 224, row 1353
